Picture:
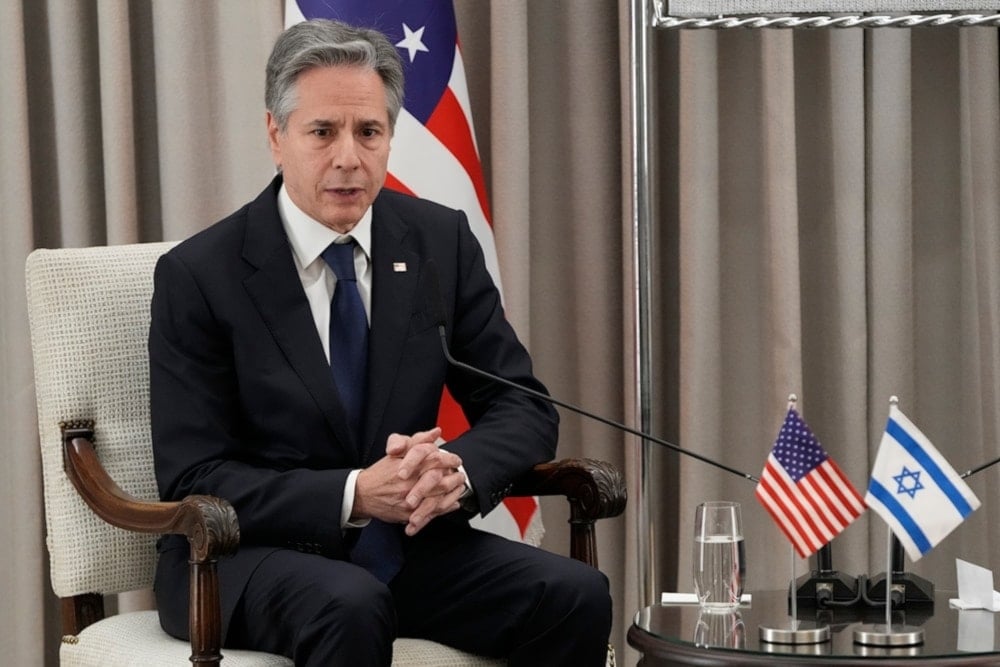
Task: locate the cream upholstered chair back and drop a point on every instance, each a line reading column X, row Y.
column 88, row 309
column 89, row 316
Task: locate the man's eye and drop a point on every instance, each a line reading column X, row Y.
column 369, row 132
column 321, row 132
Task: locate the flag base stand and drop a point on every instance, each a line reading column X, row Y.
column 889, row 636
column 800, row 632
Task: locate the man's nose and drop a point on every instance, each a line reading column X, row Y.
column 345, row 153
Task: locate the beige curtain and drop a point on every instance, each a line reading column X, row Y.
column 829, row 218
column 828, row 226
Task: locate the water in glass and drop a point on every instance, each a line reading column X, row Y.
column 719, row 555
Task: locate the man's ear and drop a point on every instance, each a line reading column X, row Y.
column 273, row 132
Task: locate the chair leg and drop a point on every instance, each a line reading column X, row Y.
column 205, row 622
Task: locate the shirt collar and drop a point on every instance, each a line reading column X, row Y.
column 309, row 238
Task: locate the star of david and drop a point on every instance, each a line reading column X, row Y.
column 913, row 476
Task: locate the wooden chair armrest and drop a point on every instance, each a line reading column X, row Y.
column 594, row 489
column 209, row 523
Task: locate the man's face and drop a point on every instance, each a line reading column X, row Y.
column 334, row 153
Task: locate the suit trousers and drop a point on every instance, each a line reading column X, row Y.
column 462, row 587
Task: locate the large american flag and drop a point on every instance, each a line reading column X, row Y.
column 804, row 491
column 434, row 156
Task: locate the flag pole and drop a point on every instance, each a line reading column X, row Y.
column 792, row 401
column 888, row 580
column 795, row 598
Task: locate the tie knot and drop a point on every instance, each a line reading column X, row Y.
column 340, row 258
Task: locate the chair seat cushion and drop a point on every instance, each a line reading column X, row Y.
column 137, row 640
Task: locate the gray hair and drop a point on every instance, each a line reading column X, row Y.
column 326, row 43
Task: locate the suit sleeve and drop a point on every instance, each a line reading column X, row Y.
column 510, row 430
column 201, row 444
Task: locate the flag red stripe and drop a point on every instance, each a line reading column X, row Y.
column 827, row 488
column 802, row 547
column 773, row 482
column 845, row 491
column 449, row 124
column 795, row 499
column 816, row 502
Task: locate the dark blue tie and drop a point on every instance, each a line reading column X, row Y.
column 379, row 547
column 348, row 336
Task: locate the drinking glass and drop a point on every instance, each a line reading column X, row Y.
column 719, row 556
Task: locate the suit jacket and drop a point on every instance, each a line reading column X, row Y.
column 243, row 402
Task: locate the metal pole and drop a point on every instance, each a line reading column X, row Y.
column 641, row 113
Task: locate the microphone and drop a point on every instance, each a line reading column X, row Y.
column 437, row 303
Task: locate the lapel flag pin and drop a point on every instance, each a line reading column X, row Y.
column 399, row 267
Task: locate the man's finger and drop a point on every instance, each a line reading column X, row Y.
column 431, row 508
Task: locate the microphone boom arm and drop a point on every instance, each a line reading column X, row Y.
column 581, row 411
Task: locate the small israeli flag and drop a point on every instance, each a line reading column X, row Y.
column 914, row 489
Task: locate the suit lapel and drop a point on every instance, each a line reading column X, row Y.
column 277, row 292
column 395, row 272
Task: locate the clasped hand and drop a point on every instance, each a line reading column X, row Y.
column 413, row 483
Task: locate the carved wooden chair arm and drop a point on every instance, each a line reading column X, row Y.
column 594, row 489
column 208, row 522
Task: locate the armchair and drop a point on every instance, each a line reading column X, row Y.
column 89, row 317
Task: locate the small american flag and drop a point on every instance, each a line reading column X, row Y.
column 804, row 491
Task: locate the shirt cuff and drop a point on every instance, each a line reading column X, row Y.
column 348, row 504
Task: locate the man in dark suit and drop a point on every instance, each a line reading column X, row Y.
column 353, row 519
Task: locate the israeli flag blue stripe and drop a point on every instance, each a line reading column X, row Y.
column 913, row 448
column 887, row 499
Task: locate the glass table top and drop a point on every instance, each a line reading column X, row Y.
column 947, row 631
